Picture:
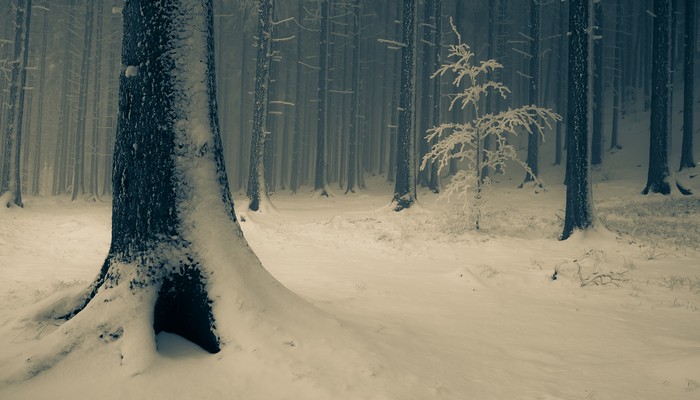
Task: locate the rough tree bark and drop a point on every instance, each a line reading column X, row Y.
column 11, row 172
column 169, row 178
column 658, row 173
column 255, row 191
column 578, row 206
column 405, row 187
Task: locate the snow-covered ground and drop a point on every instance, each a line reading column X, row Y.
column 439, row 313
column 449, row 315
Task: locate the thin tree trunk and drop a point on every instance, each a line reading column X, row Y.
column 96, row 105
column 355, row 99
column 598, row 95
column 321, row 132
column 79, row 169
column 298, row 107
column 617, row 80
column 394, row 127
column 36, row 176
column 12, row 176
column 560, row 85
column 7, row 178
column 434, row 184
column 533, row 139
column 424, row 174
column 256, row 173
column 61, row 157
column 687, row 160
column 243, row 123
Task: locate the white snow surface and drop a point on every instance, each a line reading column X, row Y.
column 439, row 314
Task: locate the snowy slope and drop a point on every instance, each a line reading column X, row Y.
column 448, row 315
column 438, row 313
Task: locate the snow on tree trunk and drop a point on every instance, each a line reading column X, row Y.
column 178, row 261
column 10, row 181
column 578, row 206
column 16, row 187
column 658, row 174
column 687, row 160
column 256, row 192
column 405, row 188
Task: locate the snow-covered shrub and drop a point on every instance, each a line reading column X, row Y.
column 465, row 141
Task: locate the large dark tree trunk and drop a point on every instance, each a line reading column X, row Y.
column 687, row 160
column 255, row 191
column 533, row 139
column 598, row 95
column 578, row 207
column 658, row 174
column 169, row 174
column 405, row 187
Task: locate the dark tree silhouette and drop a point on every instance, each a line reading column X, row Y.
column 256, row 191
column 172, row 210
column 617, row 79
column 405, row 187
column 10, row 180
column 658, row 174
column 320, row 179
column 687, row 160
column 578, row 206
column 533, row 140
column 598, row 94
